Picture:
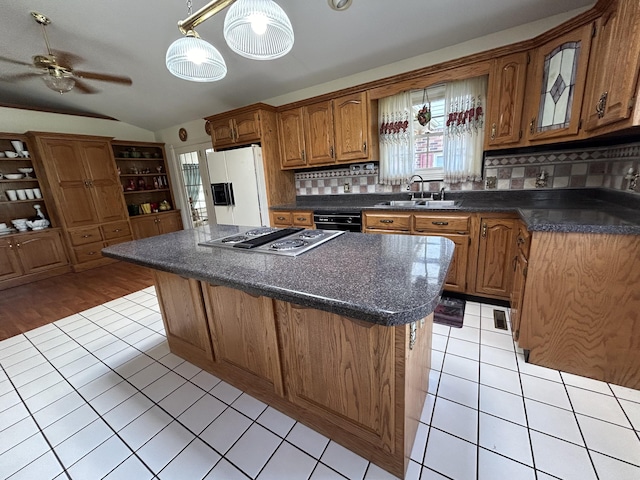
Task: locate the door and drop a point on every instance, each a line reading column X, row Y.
column 350, row 114
column 495, row 254
column 195, row 191
column 9, row 263
column 318, row 131
column 222, row 132
column 42, row 252
column 169, row 222
column 457, row 276
column 291, row 131
column 70, row 181
column 241, row 171
column 104, row 183
column 247, row 128
column 144, row 226
column 217, row 169
column 517, row 295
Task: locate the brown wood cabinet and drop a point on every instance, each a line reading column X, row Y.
column 613, row 73
column 183, row 313
column 556, row 87
column 294, row 218
column 340, row 130
column 31, row 256
column 507, row 82
column 84, row 183
column 520, row 269
column 145, row 226
column 236, row 129
column 386, row 222
column 243, row 332
column 494, row 271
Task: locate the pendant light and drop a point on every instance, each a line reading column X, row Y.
column 258, row 29
column 191, row 58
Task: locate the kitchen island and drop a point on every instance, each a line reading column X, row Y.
column 338, row 338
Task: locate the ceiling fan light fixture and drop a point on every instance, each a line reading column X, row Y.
column 258, row 29
column 59, row 82
column 194, row 59
column 339, row 5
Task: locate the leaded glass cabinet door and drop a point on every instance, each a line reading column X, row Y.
column 555, row 98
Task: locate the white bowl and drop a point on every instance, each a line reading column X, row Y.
column 25, row 170
column 38, row 224
column 13, row 176
column 10, row 154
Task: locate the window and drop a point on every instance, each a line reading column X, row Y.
column 428, row 140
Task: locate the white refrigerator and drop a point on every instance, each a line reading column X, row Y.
column 238, row 186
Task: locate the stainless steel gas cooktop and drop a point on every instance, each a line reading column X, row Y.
column 279, row 241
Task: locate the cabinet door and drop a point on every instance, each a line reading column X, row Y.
column 351, row 127
column 457, row 277
column 42, row 251
column 556, row 93
column 494, row 272
column 517, row 294
column 291, row 131
column 247, row 128
column 170, row 222
column 394, row 222
column 184, row 317
column 616, row 60
column 506, row 96
column 222, row 133
column 70, row 181
column 144, row 226
column 105, row 185
column 9, row 263
column 243, row 331
column 318, row 130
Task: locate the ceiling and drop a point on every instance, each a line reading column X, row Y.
column 124, row 37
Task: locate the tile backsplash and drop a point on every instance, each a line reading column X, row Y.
column 580, row 168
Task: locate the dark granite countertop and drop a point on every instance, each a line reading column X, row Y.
column 383, row 279
column 561, row 210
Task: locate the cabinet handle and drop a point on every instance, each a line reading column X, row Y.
column 484, row 230
column 493, row 131
column 304, row 156
column 281, row 218
column 365, row 147
column 600, row 106
column 91, row 253
column 520, row 241
column 301, row 219
column 331, row 150
column 515, row 262
column 87, row 236
column 18, row 245
column 385, row 220
column 532, row 126
column 440, row 223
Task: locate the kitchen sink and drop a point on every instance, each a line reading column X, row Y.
column 426, row 204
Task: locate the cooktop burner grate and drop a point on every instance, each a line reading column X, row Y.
column 260, row 231
column 235, row 239
column 311, row 234
column 288, row 244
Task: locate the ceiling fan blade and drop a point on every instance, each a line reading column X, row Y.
column 15, row 62
column 19, row 76
column 102, row 77
column 82, row 87
column 67, row 59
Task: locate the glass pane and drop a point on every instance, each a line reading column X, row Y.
column 189, row 164
column 556, row 97
column 428, row 138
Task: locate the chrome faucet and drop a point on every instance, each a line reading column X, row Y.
column 421, row 186
column 442, row 193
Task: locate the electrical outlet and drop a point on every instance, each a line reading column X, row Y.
column 347, row 187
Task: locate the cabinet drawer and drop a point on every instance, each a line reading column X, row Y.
column 115, row 241
column 83, row 236
column 394, row 221
column 115, row 230
column 302, row 219
column 441, row 223
column 282, row 219
column 88, row 253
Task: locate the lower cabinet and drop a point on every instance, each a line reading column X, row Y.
column 145, row 226
column 87, row 242
column 494, row 271
column 185, row 322
column 293, row 218
column 30, row 256
column 520, row 268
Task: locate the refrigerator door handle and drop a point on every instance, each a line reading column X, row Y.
column 230, row 197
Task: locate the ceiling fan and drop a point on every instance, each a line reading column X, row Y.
column 56, row 69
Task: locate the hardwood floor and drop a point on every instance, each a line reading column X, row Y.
column 30, row 306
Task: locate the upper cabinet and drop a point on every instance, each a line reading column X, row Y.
column 613, row 73
column 238, row 129
column 341, row 130
column 506, row 96
column 554, row 95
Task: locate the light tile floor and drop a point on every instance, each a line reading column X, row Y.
column 98, row 395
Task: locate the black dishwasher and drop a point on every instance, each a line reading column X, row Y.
column 348, row 221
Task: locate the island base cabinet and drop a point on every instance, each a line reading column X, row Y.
column 183, row 313
column 579, row 314
column 243, row 334
column 362, row 385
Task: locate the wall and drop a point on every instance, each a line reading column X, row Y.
column 15, row 120
column 568, row 168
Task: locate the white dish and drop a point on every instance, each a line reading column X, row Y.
column 13, row 176
column 10, row 154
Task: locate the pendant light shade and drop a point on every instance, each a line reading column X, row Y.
column 258, row 29
column 191, row 58
column 58, row 82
